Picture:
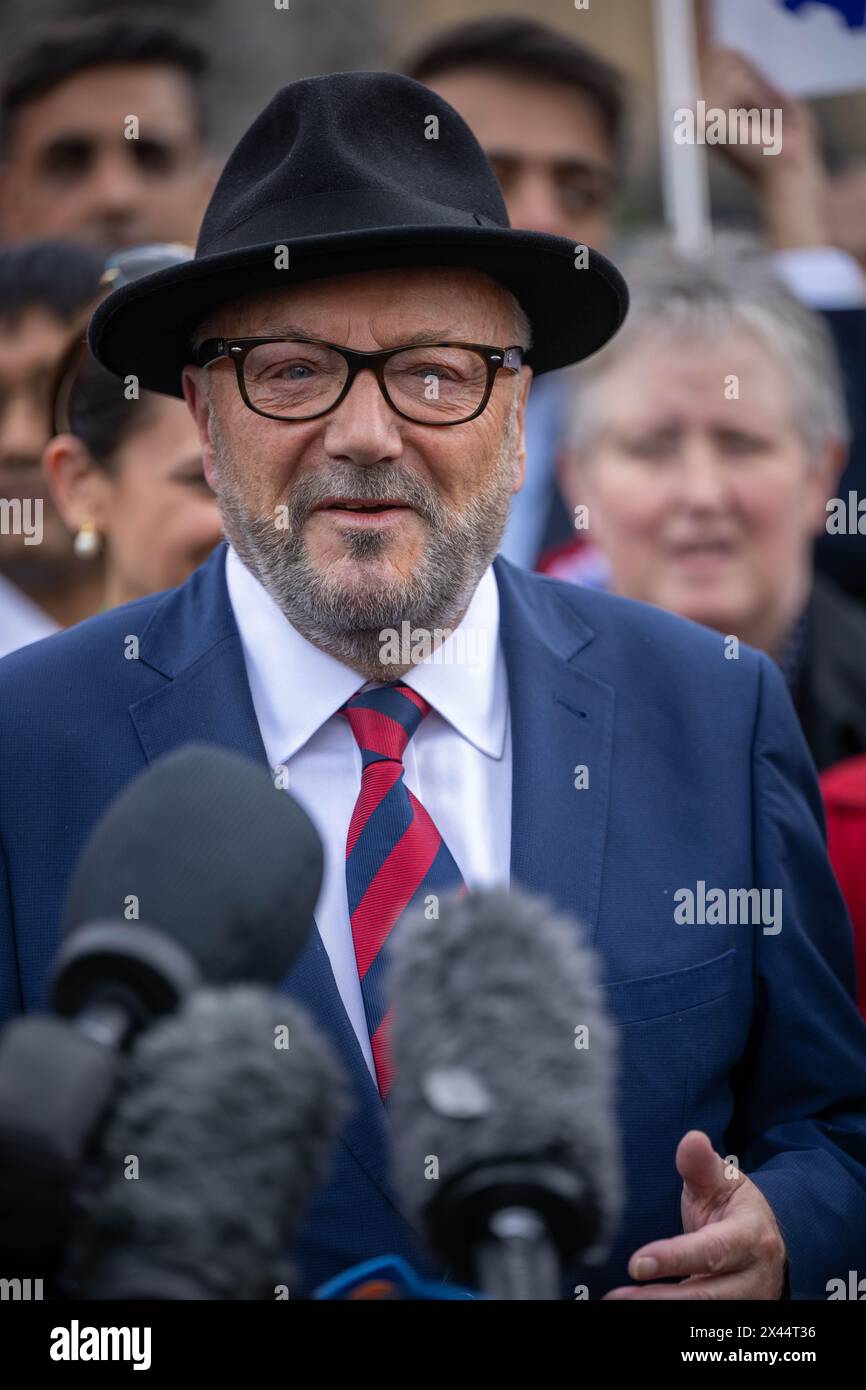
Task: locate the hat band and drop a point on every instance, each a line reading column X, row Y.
column 345, row 210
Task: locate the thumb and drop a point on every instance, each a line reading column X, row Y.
column 701, row 1168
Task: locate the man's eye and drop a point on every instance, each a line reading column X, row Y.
column 579, row 196
column 67, row 159
column 294, row 371
column 154, row 157
column 581, row 193
column 505, row 171
column 426, row 369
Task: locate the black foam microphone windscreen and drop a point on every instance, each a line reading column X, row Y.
column 504, row 1059
column 220, row 1134
column 201, row 870
column 210, row 851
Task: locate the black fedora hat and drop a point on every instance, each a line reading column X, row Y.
column 350, row 172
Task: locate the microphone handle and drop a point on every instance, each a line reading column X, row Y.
column 519, row 1261
column 56, row 1084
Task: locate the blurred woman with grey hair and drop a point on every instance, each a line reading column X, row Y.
column 708, row 438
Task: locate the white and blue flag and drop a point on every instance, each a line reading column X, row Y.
column 806, row 47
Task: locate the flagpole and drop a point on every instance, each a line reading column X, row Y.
column 684, row 167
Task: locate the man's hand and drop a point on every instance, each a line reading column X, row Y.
column 791, row 185
column 732, row 1247
column 846, row 211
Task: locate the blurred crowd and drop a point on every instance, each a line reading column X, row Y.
column 710, row 460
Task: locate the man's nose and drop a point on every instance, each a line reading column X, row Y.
column 24, row 431
column 533, row 202
column 363, row 428
column 116, row 185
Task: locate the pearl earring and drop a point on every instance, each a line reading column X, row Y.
column 88, row 542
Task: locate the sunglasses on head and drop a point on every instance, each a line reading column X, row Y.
column 121, row 268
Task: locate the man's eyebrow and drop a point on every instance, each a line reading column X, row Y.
column 69, row 139
column 585, row 166
column 566, row 165
column 274, row 330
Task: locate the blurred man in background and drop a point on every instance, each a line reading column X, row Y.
column 103, row 136
column 549, row 114
column 44, row 288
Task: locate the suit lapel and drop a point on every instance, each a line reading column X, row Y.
column 193, row 639
column 561, row 720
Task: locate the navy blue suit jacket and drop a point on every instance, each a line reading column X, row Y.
column 697, row 771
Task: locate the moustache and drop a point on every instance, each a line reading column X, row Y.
column 364, row 485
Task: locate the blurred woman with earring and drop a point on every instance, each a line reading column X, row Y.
column 127, row 478
column 125, row 468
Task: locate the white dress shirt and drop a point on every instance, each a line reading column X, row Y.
column 21, row 621
column 458, row 762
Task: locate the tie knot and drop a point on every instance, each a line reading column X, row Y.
column 383, row 720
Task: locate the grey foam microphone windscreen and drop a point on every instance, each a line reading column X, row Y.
column 215, row 855
column 501, row 1049
column 222, row 1131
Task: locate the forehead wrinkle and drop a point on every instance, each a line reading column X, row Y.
column 277, row 330
column 298, row 330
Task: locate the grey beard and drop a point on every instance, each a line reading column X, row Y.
column 348, row 624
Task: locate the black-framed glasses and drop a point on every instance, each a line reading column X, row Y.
column 296, row 379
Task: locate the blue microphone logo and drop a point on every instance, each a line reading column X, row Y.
column 852, row 11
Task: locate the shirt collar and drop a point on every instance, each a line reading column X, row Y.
column 465, row 678
column 296, row 686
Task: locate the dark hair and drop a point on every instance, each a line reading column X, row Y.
column 525, row 49
column 60, row 276
column 100, row 414
column 65, row 50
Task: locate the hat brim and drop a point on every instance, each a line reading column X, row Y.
column 575, row 301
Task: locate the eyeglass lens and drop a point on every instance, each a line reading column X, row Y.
column 295, row 380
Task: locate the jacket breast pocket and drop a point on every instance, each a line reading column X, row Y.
column 674, row 992
column 674, row 1033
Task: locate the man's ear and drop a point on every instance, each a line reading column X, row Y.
column 198, row 403
column 523, row 396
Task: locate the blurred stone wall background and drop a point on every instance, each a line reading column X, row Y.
column 255, row 48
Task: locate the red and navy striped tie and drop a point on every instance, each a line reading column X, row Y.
column 395, row 856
